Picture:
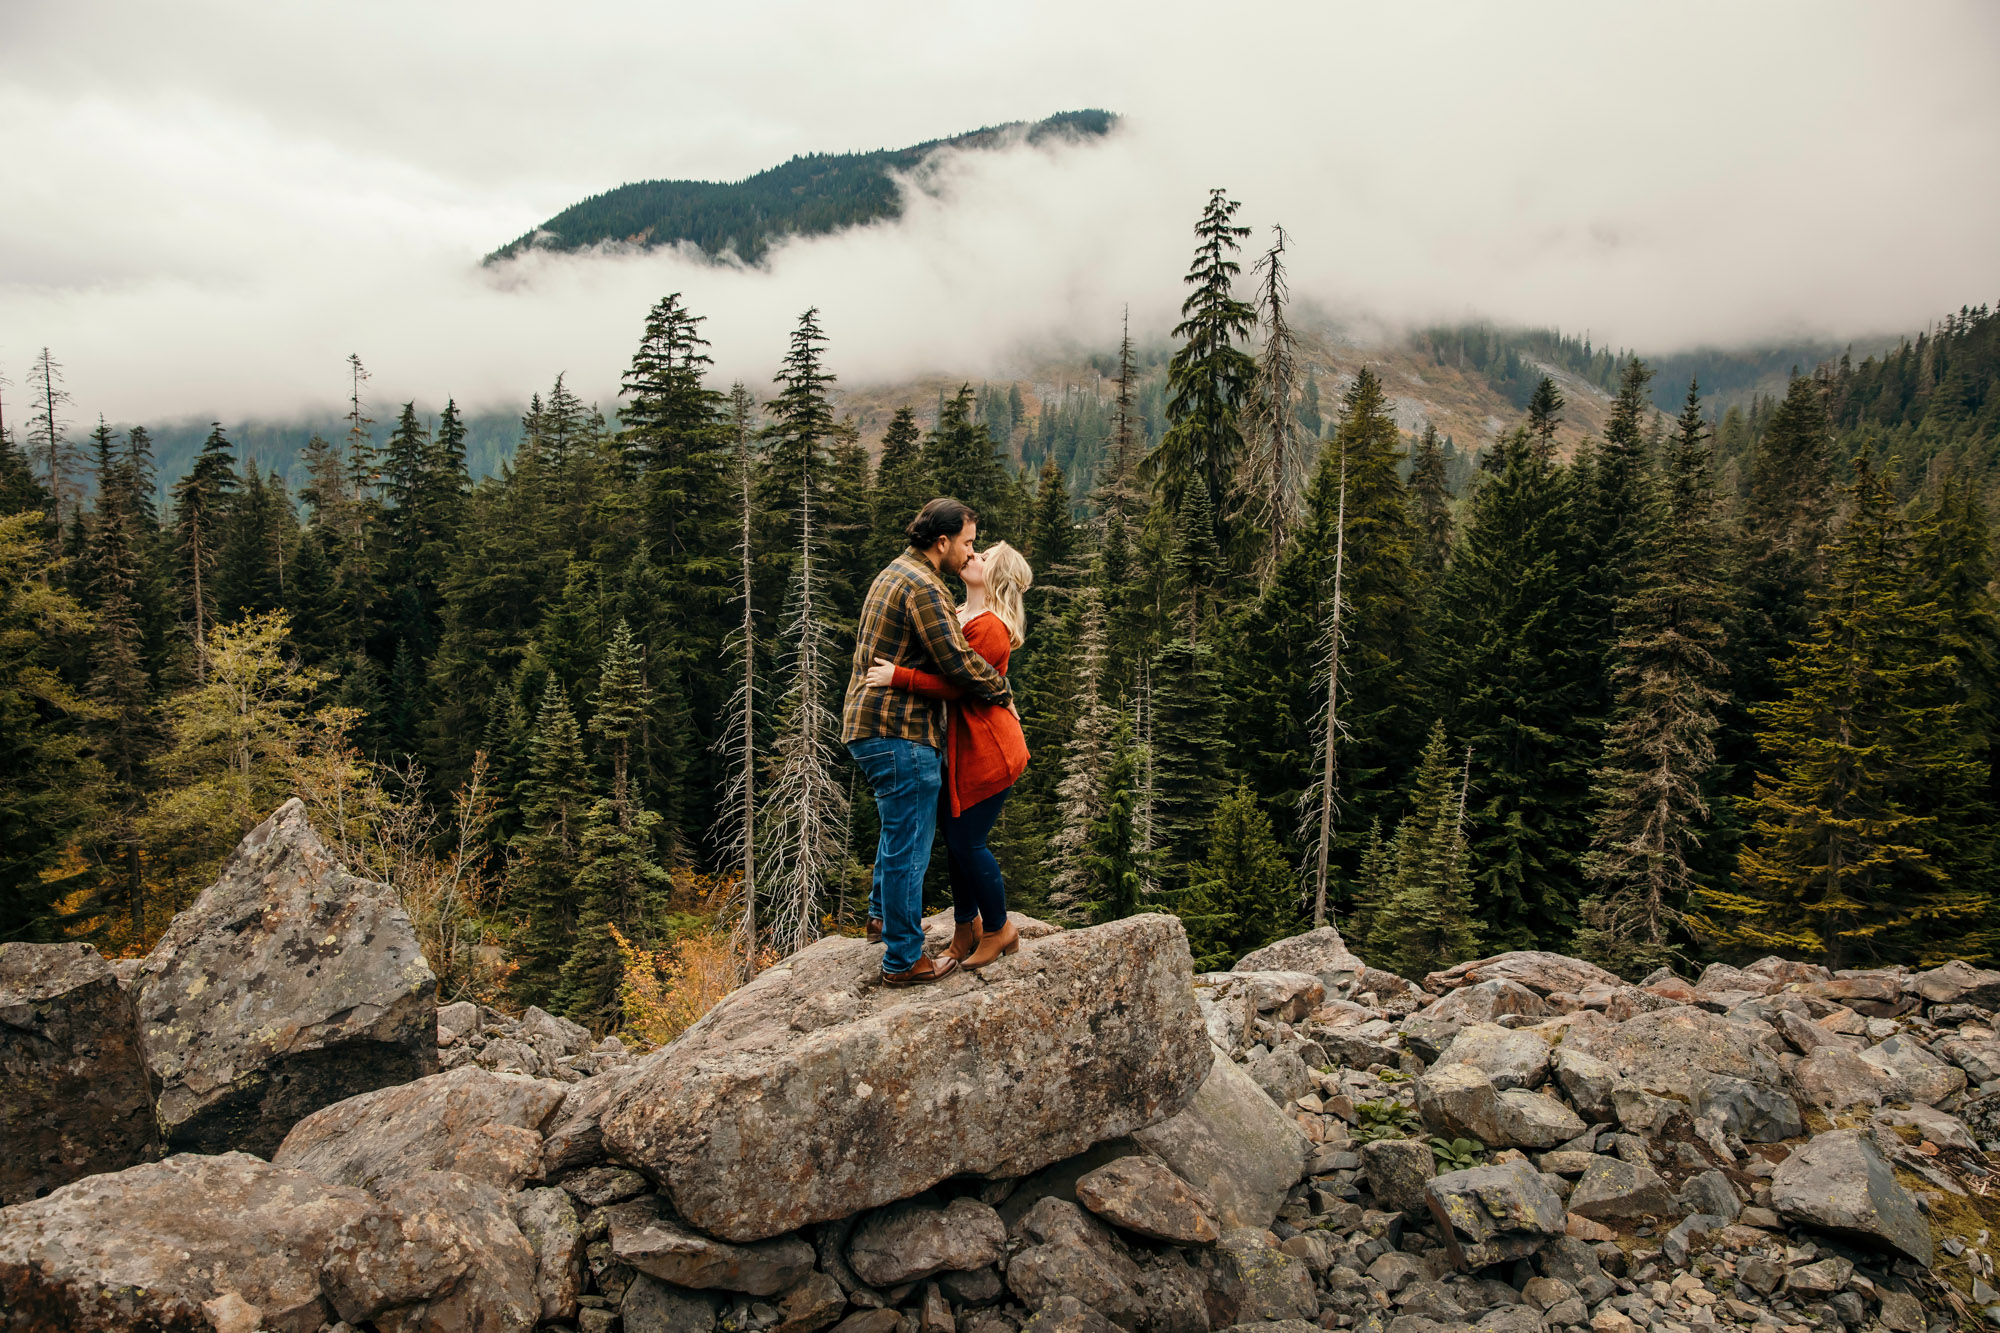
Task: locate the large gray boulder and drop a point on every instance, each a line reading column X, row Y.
column 1234, row 1145
column 1510, row 1057
column 1840, row 1183
column 1957, row 982
column 1611, row 1187
column 288, row 985
column 1543, row 973
column 438, row 1253
column 1920, row 1075
column 183, row 1244
column 480, row 1124
column 1491, row 1214
column 1067, row 1252
column 74, row 1100
column 1676, row 1051
column 815, row 1091
column 1321, row 952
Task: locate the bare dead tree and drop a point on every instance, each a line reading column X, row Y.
column 1321, row 797
column 736, row 822
column 1274, row 461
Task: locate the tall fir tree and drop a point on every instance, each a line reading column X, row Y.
column 961, row 462
column 1866, row 841
column 1430, row 507
column 902, row 485
column 555, row 801
column 1426, row 920
column 1657, row 775
column 1246, row 888
column 1210, row 378
column 201, row 506
column 1086, row 757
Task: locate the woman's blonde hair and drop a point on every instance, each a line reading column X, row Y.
column 1008, row 578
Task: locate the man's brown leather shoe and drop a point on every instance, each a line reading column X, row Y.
column 964, row 938
column 874, row 930
column 924, row 973
column 1002, row 941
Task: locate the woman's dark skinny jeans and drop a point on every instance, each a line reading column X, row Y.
column 976, row 887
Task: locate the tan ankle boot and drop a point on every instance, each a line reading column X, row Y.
column 964, row 939
column 1005, row 940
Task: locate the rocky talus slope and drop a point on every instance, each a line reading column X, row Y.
column 270, row 1125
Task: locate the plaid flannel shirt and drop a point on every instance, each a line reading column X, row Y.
column 909, row 619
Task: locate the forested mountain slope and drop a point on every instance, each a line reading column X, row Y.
column 808, row 196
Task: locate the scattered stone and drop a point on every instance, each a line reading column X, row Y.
column 1618, row 1189
column 1840, row 1183
column 1676, row 1051
column 596, row 1186
column 777, row 1109
column 1484, row 1002
column 1588, row 1081
column 1834, row 1079
column 74, row 1098
column 1947, row 1131
column 1281, row 1074
column 1142, row 1195
column 1232, row 1144
column 1318, row 952
column 1957, row 982
column 1490, row 1214
column 1459, row 1102
column 1752, row 1113
column 457, row 1022
column 1544, row 973
column 436, row 1253
column 819, row 1301
column 653, row 1306
column 1073, row 1254
column 1397, row 1171
column 651, row 1243
column 548, row 1220
column 1530, row 1120
column 909, row 1241
column 1920, row 1076
column 1510, row 1058
column 288, row 985
column 479, row 1124
column 149, row 1246
column 1710, row 1192
column 1267, row 1283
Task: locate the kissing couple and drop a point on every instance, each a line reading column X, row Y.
column 913, row 651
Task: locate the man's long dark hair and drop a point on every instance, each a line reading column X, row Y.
column 942, row 517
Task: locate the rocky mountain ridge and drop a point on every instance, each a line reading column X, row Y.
column 1086, row 1136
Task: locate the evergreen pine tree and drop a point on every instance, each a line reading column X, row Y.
column 1086, row 756
column 961, row 462
column 554, row 801
column 1426, row 921
column 201, row 504
column 1210, row 378
column 1544, row 415
column 1654, row 782
column 1117, row 860
column 1855, row 849
column 1430, row 506
column 902, row 486
column 1247, row 883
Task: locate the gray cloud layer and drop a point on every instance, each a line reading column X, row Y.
column 211, row 204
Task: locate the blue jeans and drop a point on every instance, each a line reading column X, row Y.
column 905, row 777
column 976, row 887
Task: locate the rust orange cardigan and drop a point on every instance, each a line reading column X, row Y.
column 985, row 752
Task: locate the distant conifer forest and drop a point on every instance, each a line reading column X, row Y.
column 1696, row 688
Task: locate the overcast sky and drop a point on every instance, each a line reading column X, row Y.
column 207, row 205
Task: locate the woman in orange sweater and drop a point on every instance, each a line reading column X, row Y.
column 985, row 752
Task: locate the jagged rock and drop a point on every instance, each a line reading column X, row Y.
column 1281, row 1074
column 596, row 1186
column 1640, row 1112
column 1062, row 1314
column 1840, row 1183
column 1319, row 952
column 1459, row 1102
column 1779, row 972
column 812, row 1305
column 1234, row 1145
column 1141, row 1194
column 889, row 1320
column 576, row 1137
column 1397, row 1171
column 1676, row 1051
column 1484, row 1001
column 548, row 1220
column 814, row 1092
column 908, row 1241
column 1490, row 1214
column 1176, row 1297
column 1588, row 1080
column 287, row 986
column 1805, row 1035
column 1510, row 1057
column 1530, row 1120
column 653, row 1306
column 1710, row 1192
column 1752, row 1113
column 1835, row 1078
column 1957, row 982
column 74, row 1099
column 1543, row 973
column 480, row 1124
column 1920, row 1076
column 1072, row 1253
column 437, row 1253
column 978, row 1286
column 1261, row 1281
column 1285, row 996
column 1980, row 1059
column 156, row 1245
column 1947, row 1131
column 457, row 1022
column 1613, row 1188
column 644, row 1239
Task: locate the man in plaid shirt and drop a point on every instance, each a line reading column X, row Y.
column 898, row 737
